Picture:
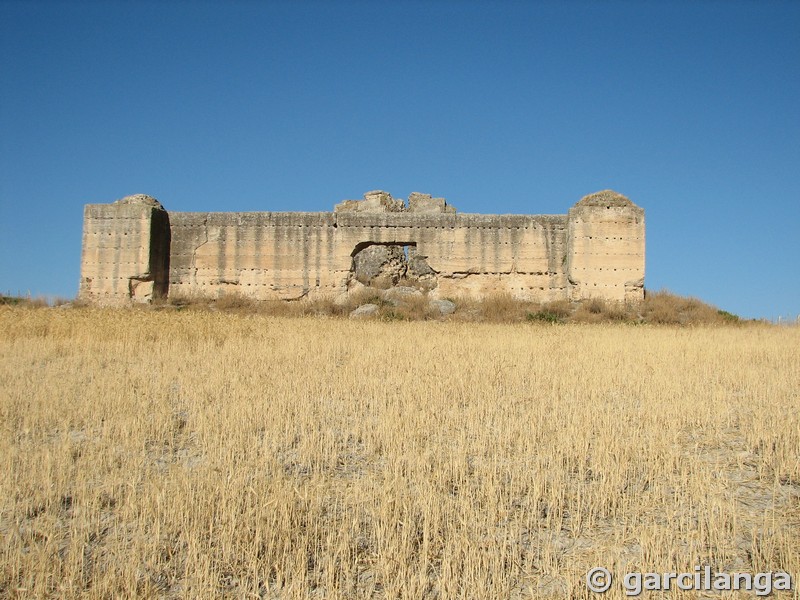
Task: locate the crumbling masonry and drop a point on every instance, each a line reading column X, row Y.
column 135, row 251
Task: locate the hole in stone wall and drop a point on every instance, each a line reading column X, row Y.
column 387, row 264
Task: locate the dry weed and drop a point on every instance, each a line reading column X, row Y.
column 210, row 454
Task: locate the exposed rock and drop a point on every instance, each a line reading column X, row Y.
column 363, row 311
column 342, row 299
column 445, row 307
column 418, row 266
column 424, row 203
column 419, row 273
column 384, row 199
column 376, row 201
column 605, row 198
column 140, row 199
column 401, row 292
column 379, row 265
column 383, row 266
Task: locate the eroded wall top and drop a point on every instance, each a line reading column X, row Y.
column 378, row 201
column 139, row 200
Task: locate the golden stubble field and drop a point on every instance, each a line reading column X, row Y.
column 203, row 455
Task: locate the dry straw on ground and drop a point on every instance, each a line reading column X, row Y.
column 661, row 307
column 201, row 455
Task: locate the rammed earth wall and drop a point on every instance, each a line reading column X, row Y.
column 135, row 251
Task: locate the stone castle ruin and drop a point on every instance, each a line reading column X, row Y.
column 136, row 251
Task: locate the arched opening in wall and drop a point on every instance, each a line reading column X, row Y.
column 383, row 265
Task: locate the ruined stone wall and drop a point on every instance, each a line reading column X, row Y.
column 474, row 254
column 125, row 253
column 597, row 250
column 606, row 248
column 259, row 255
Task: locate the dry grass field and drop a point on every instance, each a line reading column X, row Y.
column 194, row 454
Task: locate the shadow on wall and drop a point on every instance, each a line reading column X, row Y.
column 154, row 284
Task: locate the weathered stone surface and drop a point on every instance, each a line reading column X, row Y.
column 401, row 292
column 605, row 248
column 376, row 201
column 133, row 251
column 444, row 307
column 363, row 311
column 379, row 265
column 125, row 256
column 605, row 199
column 424, row 203
column 418, row 266
column 139, row 200
column 380, row 202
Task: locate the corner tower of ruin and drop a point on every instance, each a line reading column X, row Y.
column 134, row 251
column 125, row 256
column 605, row 248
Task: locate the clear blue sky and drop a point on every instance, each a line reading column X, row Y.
column 691, row 109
